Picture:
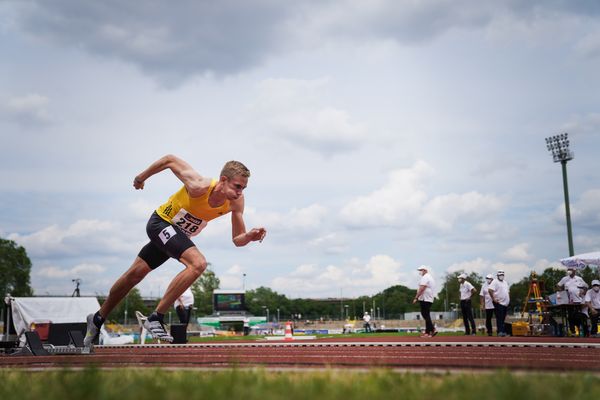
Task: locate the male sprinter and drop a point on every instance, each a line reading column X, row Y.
column 170, row 228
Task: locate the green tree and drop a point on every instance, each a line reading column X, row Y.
column 394, row 301
column 15, row 268
column 132, row 302
column 550, row 278
column 203, row 290
column 518, row 292
column 263, row 298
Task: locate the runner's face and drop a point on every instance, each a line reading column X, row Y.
column 235, row 186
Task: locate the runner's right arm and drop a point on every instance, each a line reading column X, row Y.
column 195, row 184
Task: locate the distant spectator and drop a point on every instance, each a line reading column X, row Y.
column 183, row 306
column 367, row 319
column 580, row 316
column 486, row 303
column 246, row 326
column 592, row 300
column 425, row 298
column 467, row 290
column 570, row 283
column 499, row 293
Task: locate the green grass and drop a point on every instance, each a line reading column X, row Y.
column 290, row 385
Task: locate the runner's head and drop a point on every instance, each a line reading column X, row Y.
column 234, row 168
column 234, row 176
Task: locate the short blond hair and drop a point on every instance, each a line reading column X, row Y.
column 234, row 168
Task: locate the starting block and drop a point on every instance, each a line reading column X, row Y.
column 141, row 318
column 35, row 347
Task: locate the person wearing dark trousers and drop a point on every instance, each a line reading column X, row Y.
column 425, row 298
column 592, row 300
column 486, row 303
column 467, row 290
column 499, row 292
column 184, row 305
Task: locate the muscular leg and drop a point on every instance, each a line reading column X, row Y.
column 195, row 264
column 138, row 270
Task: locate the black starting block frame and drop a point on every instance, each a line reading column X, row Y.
column 35, row 347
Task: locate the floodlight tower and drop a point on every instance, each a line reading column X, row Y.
column 558, row 145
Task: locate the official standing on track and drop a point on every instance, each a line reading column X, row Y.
column 570, row 283
column 485, row 301
column 170, row 229
column 499, row 293
column 425, row 298
column 467, row 290
column 592, row 300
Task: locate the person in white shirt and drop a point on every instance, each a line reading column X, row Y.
column 485, row 301
column 183, row 306
column 367, row 319
column 581, row 315
column 425, row 298
column 499, row 293
column 467, row 290
column 592, row 300
column 570, row 283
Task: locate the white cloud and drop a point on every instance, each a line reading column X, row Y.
column 589, row 46
column 585, row 211
column 79, row 238
column 331, row 243
column 399, row 201
column 79, row 271
column 587, row 124
column 297, row 220
column 293, row 110
column 519, row 252
column 352, row 279
column 402, row 202
column 27, row 109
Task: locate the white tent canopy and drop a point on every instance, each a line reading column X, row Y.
column 582, row 260
column 28, row 310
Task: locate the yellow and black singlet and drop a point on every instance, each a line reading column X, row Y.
column 191, row 214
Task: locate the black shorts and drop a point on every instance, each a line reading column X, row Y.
column 166, row 241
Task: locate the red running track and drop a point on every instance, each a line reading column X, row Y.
column 479, row 353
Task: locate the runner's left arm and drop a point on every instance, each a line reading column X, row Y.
column 238, row 227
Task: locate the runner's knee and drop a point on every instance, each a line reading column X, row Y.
column 198, row 266
column 139, row 272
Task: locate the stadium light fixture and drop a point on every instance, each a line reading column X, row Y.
column 558, row 145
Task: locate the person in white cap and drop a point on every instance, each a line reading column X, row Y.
column 499, row 293
column 467, row 290
column 580, row 318
column 485, row 301
column 592, row 300
column 425, row 298
column 570, row 283
column 367, row 319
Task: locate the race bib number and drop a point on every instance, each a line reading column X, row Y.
column 167, row 234
column 188, row 223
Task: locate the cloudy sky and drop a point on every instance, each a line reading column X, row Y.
column 381, row 135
